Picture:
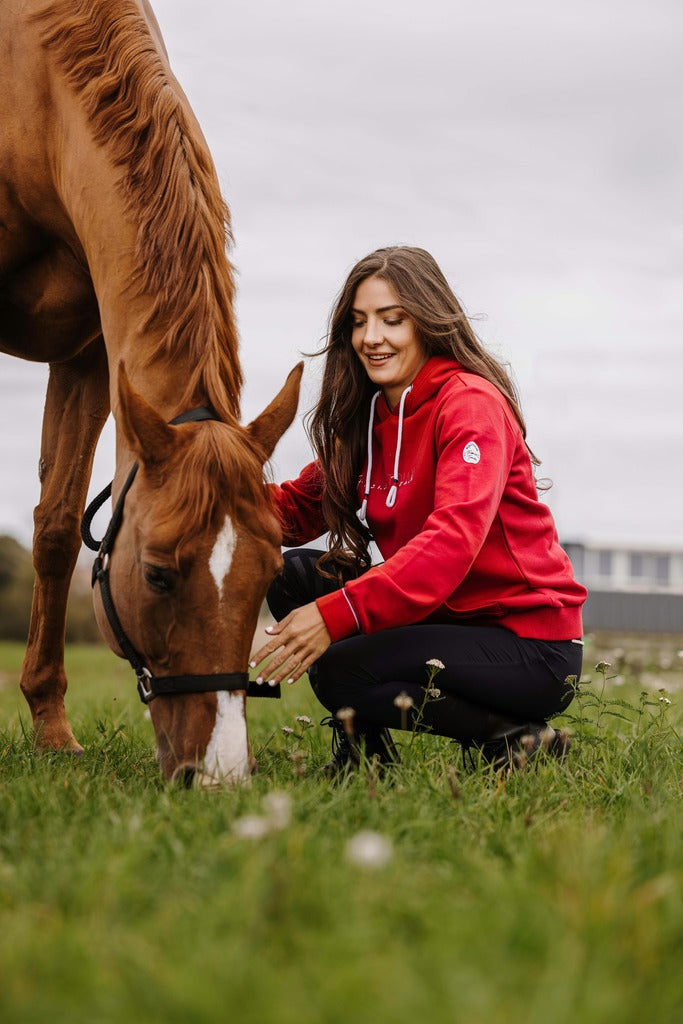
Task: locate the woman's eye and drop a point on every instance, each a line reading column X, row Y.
column 393, row 323
column 161, row 580
column 358, row 323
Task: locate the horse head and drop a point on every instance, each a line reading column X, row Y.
column 197, row 547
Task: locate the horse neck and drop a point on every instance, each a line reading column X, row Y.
column 144, row 203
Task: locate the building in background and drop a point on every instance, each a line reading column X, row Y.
column 630, row 589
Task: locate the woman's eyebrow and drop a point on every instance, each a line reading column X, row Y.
column 382, row 309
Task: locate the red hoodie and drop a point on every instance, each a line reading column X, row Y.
column 467, row 539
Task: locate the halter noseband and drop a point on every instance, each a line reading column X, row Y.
column 150, row 686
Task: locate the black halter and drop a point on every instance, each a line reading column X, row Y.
column 150, row 686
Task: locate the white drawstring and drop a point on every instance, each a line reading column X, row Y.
column 363, row 510
column 393, row 491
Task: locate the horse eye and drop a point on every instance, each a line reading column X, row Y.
column 161, row 580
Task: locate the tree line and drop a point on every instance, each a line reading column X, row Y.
column 16, row 591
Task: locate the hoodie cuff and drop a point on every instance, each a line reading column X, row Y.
column 339, row 615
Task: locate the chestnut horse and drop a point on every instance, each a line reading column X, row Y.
column 113, row 270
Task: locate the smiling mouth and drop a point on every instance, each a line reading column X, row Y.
column 377, row 360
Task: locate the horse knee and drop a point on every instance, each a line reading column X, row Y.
column 55, row 544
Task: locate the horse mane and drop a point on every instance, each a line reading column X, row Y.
column 169, row 185
column 224, row 460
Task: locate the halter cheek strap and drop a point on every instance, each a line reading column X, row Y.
column 150, row 686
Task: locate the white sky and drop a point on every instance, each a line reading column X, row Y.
column 533, row 147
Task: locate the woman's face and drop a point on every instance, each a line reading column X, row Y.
column 384, row 339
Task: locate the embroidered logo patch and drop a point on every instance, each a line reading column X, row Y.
column 471, row 453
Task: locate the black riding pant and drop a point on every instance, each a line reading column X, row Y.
column 490, row 675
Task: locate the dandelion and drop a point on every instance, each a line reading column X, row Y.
column 369, row 850
column 278, row 808
column 297, row 758
column 403, row 702
column 278, row 814
column 251, row 826
column 346, row 717
column 434, row 665
column 287, row 730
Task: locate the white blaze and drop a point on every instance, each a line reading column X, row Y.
column 221, row 556
column 227, row 753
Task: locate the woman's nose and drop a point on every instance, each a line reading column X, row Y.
column 373, row 332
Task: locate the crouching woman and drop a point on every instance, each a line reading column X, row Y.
column 421, row 447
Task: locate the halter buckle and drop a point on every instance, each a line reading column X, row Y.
column 146, row 694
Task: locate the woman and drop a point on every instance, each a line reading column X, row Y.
column 420, row 446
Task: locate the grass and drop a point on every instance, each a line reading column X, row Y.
column 555, row 894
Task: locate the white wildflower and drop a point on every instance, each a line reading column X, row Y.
column 433, row 692
column 435, row 663
column 251, row 826
column 403, row 701
column 664, row 700
column 346, row 717
column 287, row 730
column 278, row 808
column 304, row 719
column 369, row 850
column 603, row 666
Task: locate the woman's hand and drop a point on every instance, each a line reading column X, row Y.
column 298, row 640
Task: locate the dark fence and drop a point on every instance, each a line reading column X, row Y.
column 633, row 612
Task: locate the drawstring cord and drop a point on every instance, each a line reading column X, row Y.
column 362, row 511
column 393, row 490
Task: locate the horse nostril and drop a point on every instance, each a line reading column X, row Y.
column 184, row 776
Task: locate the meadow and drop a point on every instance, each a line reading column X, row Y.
column 555, row 893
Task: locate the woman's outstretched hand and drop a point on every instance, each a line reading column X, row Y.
column 297, row 641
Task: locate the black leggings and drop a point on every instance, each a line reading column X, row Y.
column 490, row 674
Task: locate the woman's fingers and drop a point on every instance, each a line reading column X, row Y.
column 298, row 641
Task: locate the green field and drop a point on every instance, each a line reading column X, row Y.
column 553, row 895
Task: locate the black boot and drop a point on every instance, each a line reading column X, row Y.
column 347, row 749
column 512, row 745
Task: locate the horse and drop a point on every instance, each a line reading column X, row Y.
column 114, row 270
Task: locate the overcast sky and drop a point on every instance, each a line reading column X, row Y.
column 533, row 147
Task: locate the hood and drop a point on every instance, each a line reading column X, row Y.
column 433, row 375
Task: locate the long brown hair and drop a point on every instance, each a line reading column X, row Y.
column 338, row 425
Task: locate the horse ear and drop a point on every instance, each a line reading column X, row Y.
column 148, row 434
column 268, row 428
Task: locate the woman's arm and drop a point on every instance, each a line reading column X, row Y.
column 299, row 506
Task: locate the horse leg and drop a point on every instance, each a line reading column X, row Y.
column 76, row 408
